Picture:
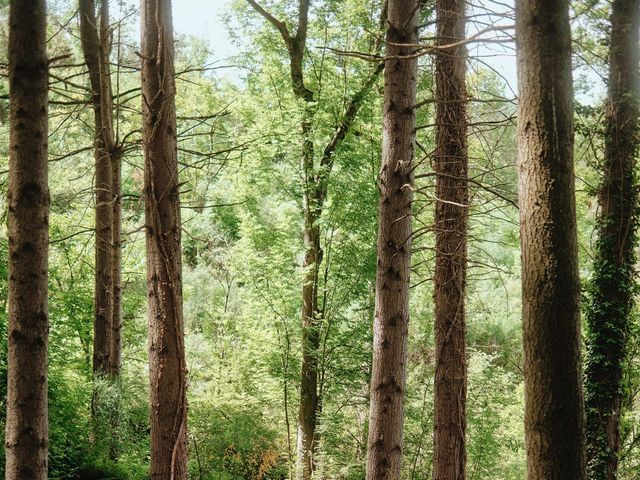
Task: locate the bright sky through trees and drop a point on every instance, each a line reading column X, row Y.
column 203, row 18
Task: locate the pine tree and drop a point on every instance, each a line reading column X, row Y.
column 95, row 46
column 27, row 435
column 451, row 219
column 554, row 424
column 388, row 379
column 167, row 364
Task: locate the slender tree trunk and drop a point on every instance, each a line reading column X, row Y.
column 311, row 324
column 451, row 218
column 115, row 357
column 27, row 432
column 167, row 366
column 315, row 192
column 613, row 284
column 308, row 406
column 554, row 413
column 311, row 320
column 384, row 452
column 95, row 46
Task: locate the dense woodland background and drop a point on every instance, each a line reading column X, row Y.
column 242, row 222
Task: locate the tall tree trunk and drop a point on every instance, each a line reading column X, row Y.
column 315, row 192
column 613, row 284
column 27, row 432
column 312, row 199
column 95, row 46
column 451, row 218
column 554, row 423
column 388, row 379
column 311, row 324
column 115, row 357
column 167, row 366
column 311, row 320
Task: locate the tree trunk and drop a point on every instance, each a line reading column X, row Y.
column 95, row 46
column 451, row 218
column 27, row 433
column 311, row 324
column 315, row 192
column 167, row 366
column 384, row 452
column 612, row 287
column 554, row 423
column 308, row 406
column 115, row 358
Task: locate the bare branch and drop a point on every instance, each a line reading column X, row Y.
column 281, row 26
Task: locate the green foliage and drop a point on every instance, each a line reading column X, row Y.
column 242, row 184
column 233, row 444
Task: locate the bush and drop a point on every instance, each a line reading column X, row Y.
column 227, row 443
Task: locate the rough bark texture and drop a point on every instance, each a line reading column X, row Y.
column 612, row 287
column 554, row 413
column 311, row 321
column 451, row 218
column 167, row 366
column 115, row 153
column 115, row 358
column 95, row 46
column 384, row 452
column 27, row 435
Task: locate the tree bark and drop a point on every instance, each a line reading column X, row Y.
column 451, row 219
column 384, row 452
column 613, row 284
column 95, row 46
column 167, row 365
column 554, row 423
column 27, row 433
column 115, row 357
